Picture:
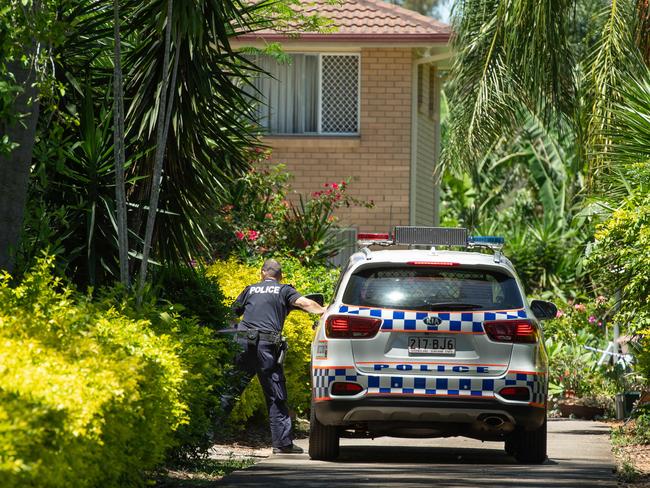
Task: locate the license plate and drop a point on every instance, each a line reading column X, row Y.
column 432, row 345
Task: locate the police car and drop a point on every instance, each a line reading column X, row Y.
column 431, row 343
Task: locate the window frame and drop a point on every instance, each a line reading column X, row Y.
column 319, row 106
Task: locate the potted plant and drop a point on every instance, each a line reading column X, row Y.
column 586, row 407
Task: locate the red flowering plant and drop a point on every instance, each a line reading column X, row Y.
column 310, row 226
column 256, row 219
column 248, row 222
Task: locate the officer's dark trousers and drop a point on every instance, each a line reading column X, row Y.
column 262, row 360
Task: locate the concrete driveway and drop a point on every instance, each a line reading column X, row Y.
column 579, row 455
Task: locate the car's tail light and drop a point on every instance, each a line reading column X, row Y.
column 519, row 393
column 345, row 388
column 517, row 331
column 351, row 327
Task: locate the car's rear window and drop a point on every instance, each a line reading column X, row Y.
column 429, row 288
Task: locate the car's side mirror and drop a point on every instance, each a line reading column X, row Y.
column 317, row 297
column 543, row 310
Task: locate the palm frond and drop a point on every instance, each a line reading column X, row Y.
column 511, row 54
column 614, row 58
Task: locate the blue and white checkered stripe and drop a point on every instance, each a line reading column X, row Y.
column 458, row 322
column 429, row 386
column 536, row 383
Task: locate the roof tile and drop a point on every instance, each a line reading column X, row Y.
column 365, row 19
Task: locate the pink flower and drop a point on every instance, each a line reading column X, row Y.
column 269, row 215
column 253, row 234
column 325, row 185
column 600, row 299
column 580, row 307
column 592, row 319
column 559, row 313
column 600, row 324
column 335, row 186
column 343, row 184
column 240, row 235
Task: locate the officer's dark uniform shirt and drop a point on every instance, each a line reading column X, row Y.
column 265, row 305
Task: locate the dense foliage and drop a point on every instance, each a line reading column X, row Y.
column 620, row 261
column 90, row 397
column 96, row 391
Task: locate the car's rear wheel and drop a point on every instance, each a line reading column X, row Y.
column 528, row 446
column 511, row 446
column 323, row 439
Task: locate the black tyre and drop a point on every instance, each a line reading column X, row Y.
column 323, row 440
column 529, row 445
column 511, row 445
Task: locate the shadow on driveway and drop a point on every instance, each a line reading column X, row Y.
column 579, row 457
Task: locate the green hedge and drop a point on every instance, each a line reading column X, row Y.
column 88, row 395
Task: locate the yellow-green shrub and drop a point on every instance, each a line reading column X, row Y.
column 204, row 355
column 88, row 396
column 233, row 277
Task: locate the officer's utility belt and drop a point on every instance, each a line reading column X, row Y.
column 254, row 335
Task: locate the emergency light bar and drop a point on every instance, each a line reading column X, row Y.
column 430, row 236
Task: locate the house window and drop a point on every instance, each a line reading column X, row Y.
column 309, row 94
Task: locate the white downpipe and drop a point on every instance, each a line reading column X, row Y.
column 414, row 142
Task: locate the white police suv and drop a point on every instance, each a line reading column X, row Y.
column 430, row 343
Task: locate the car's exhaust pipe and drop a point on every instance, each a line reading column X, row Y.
column 492, row 425
column 493, row 421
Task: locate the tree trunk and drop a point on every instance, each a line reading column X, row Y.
column 161, row 139
column 15, row 167
column 118, row 150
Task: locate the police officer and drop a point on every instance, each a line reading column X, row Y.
column 265, row 306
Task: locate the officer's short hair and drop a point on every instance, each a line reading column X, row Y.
column 272, row 268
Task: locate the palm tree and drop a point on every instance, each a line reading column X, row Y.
column 186, row 127
column 119, row 151
column 517, row 58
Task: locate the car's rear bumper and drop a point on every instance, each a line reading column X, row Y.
column 425, row 411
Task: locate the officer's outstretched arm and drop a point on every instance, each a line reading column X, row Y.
column 309, row 306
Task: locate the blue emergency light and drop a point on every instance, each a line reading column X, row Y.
column 493, row 242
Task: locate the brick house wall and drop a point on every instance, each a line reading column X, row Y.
column 378, row 160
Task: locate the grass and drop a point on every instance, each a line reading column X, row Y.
column 630, row 440
column 200, row 473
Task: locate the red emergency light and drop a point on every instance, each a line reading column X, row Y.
column 432, row 263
